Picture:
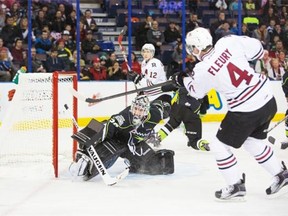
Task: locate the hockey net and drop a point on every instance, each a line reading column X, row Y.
column 36, row 130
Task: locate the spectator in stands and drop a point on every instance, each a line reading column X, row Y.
column 172, row 34
column 10, row 32
column 193, row 23
column 283, row 61
column 69, row 43
column 156, row 37
column 6, row 70
column 245, row 30
column 274, row 51
column 53, row 62
column 97, row 72
column 135, row 65
column 18, row 53
column 58, row 23
column 249, row 5
column 40, row 21
column 89, row 21
column 263, row 65
column 223, row 30
column 115, row 72
column 112, row 58
column 234, row 27
column 141, row 33
column 2, row 17
column 90, row 45
column 271, row 28
column 177, row 61
column 280, row 32
column 37, row 64
column 62, row 9
column 64, row 53
column 234, row 7
column 217, row 24
column 2, row 47
column 262, row 35
column 72, row 21
column 283, row 15
column 276, row 72
column 221, row 5
column 43, row 44
column 271, row 14
column 24, row 28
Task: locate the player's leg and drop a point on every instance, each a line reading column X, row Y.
column 193, row 127
column 284, row 144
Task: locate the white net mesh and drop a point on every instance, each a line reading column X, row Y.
column 26, row 132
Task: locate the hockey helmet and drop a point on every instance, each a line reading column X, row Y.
column 139, row 108
column 199, row 38
column 148, row 48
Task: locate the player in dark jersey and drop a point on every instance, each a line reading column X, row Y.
column 124, row 135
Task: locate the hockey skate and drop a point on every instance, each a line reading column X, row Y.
column 230, row 192
column 280, row 180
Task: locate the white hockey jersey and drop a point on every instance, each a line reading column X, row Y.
column 226, row 69
column 153, row 73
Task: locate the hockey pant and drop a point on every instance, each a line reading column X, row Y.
column 150, row 162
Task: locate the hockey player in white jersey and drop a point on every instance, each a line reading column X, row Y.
column 251, row 105
column 152, row 72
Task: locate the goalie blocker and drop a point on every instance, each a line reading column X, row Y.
column 159, row 162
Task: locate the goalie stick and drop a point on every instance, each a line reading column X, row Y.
column 96, row 100
column 108, row 180
column 271, row 139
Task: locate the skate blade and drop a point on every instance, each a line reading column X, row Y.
column 232, row 199
column 282, row 192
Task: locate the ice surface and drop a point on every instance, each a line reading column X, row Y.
column 189, row 191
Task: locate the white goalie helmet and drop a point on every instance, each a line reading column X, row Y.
column 146, row 49
column 139, row 108
column 199, row 38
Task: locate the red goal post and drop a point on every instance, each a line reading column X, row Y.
column 36, row 130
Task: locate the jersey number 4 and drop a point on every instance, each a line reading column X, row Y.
column 237, row 75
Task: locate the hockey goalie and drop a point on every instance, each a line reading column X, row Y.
column 124, row 135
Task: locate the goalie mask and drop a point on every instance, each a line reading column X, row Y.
column 139, row 108
column 148, row 51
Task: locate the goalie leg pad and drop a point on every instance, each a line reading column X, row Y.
column 108, row 152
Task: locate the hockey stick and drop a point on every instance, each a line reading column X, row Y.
column 95, row 100
column 271, row 139
column 120, row 38
column 108, row 180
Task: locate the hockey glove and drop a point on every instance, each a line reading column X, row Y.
column 203, row 145
column 154, row 139
column 177, row 78
column 135, row 77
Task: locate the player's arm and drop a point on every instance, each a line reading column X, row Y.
column 252, row 47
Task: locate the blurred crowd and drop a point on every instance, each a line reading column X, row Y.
column 54, row 37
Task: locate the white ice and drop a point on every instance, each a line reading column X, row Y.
column 189, row 191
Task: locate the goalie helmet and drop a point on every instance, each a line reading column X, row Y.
column 148, row 51
column 139, row 108
column 199, row 38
